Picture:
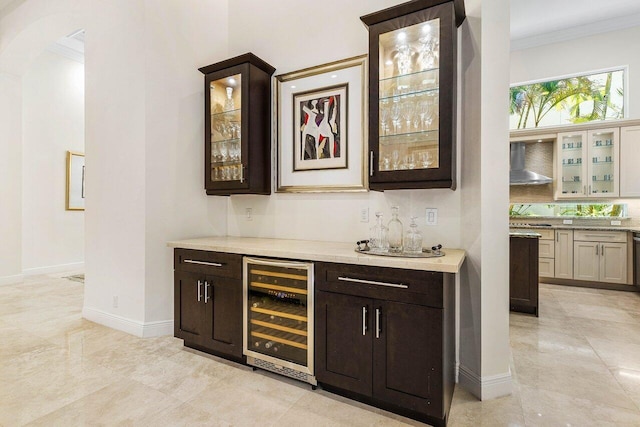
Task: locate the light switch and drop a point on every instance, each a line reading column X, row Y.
column 432, row 216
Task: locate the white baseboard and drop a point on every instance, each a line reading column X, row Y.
column 133, row 327
column 485, row 388
column 9, row 280
column 61, row 268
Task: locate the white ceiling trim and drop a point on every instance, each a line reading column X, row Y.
column 67, row 52
column 586, row 30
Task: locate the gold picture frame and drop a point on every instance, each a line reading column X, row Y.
column 342, row 84
column 75, row 194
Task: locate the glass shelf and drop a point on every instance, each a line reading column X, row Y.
column 219, row 141
column 423, row 137
column 408, row 95
column 216, row 116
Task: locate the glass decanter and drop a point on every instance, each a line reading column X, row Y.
column 229, row 104
column 413, row 239
column 378, row 236
column 395, row 231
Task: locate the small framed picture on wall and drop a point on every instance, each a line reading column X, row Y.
column 75, row 181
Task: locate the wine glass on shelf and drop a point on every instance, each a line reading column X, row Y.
column 224, row 151
column 384, row 117
column 395, row 159
column 426, row 159
column 406, row 112
column 395, row 117
column 215, row 152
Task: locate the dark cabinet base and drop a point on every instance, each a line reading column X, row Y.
column 523, row 275
column 418, row 416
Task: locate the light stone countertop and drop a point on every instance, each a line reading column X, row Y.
column 577, row 227
column 309, row 250
column 525, row 234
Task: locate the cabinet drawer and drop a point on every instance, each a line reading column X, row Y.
column 546, row 234
column 411, row 286
column 546, row 248
column 546, row 267
column 600, row 236
column 206, row 262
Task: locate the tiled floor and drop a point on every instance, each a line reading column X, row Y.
column 576, row 365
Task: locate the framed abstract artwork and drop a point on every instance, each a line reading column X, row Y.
column 75, row 181
column 321, row 122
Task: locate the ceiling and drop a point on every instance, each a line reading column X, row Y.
column 539, row 22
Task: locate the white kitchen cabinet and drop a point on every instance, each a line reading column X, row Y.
column 564, row 254
column 588, row 164
column 630, row 161
column 546, row 253
column 600, row 256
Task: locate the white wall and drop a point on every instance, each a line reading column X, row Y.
column 10, row 177
column 144, row 132
column 601, row 51
column 484, row 284
column 470, row 217
column 287, row 42
column 144, row 150
column 53, row 122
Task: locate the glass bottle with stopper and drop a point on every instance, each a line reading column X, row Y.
column 413, row 239
column 378, row 236
column 395, row 231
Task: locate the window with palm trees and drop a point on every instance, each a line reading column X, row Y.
column 578, row 99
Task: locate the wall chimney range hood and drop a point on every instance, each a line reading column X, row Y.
column 518, row 175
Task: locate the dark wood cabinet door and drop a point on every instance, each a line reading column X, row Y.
column 343, row 341
column 523, row 274
column 189, row 307
column 238, row 126
column 407, row 356
column 223, row 315
column 401, row 86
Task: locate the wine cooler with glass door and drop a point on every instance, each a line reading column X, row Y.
column 278, row 317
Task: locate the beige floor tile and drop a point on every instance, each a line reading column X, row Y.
column 571, row 376
column 576, row 364
column 546, row 408
column 239, row 406
column 470, row 412
column 617, row 354
column 124, row 402
column 184, row 415
column 630, row 382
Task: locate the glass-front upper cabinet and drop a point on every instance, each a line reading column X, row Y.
column 412, row 94
column 588, row 162
column 238, row 126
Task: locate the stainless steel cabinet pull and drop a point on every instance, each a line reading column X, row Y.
column 191, row 261
column 377, row 323
column 373, row 282
column 199, row 290
column 602, row 250
column 557, row 236
column 371, row 163
column 364, row 320
column 589, row 188
column 207, row 285
column 585, row 189
column 596, row 249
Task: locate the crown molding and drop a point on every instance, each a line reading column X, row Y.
column 580, row 31
column 67, row 52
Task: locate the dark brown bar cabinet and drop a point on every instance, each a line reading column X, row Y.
column 385, row 337
column 412, row 94
column 238, row 126
column 523, row 272
column 208, row 302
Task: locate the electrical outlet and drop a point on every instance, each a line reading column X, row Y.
column 567, row 221
column 248, row 214
column 432, row 216
column 115, row 301
column 364, row 215
column 616, row 222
